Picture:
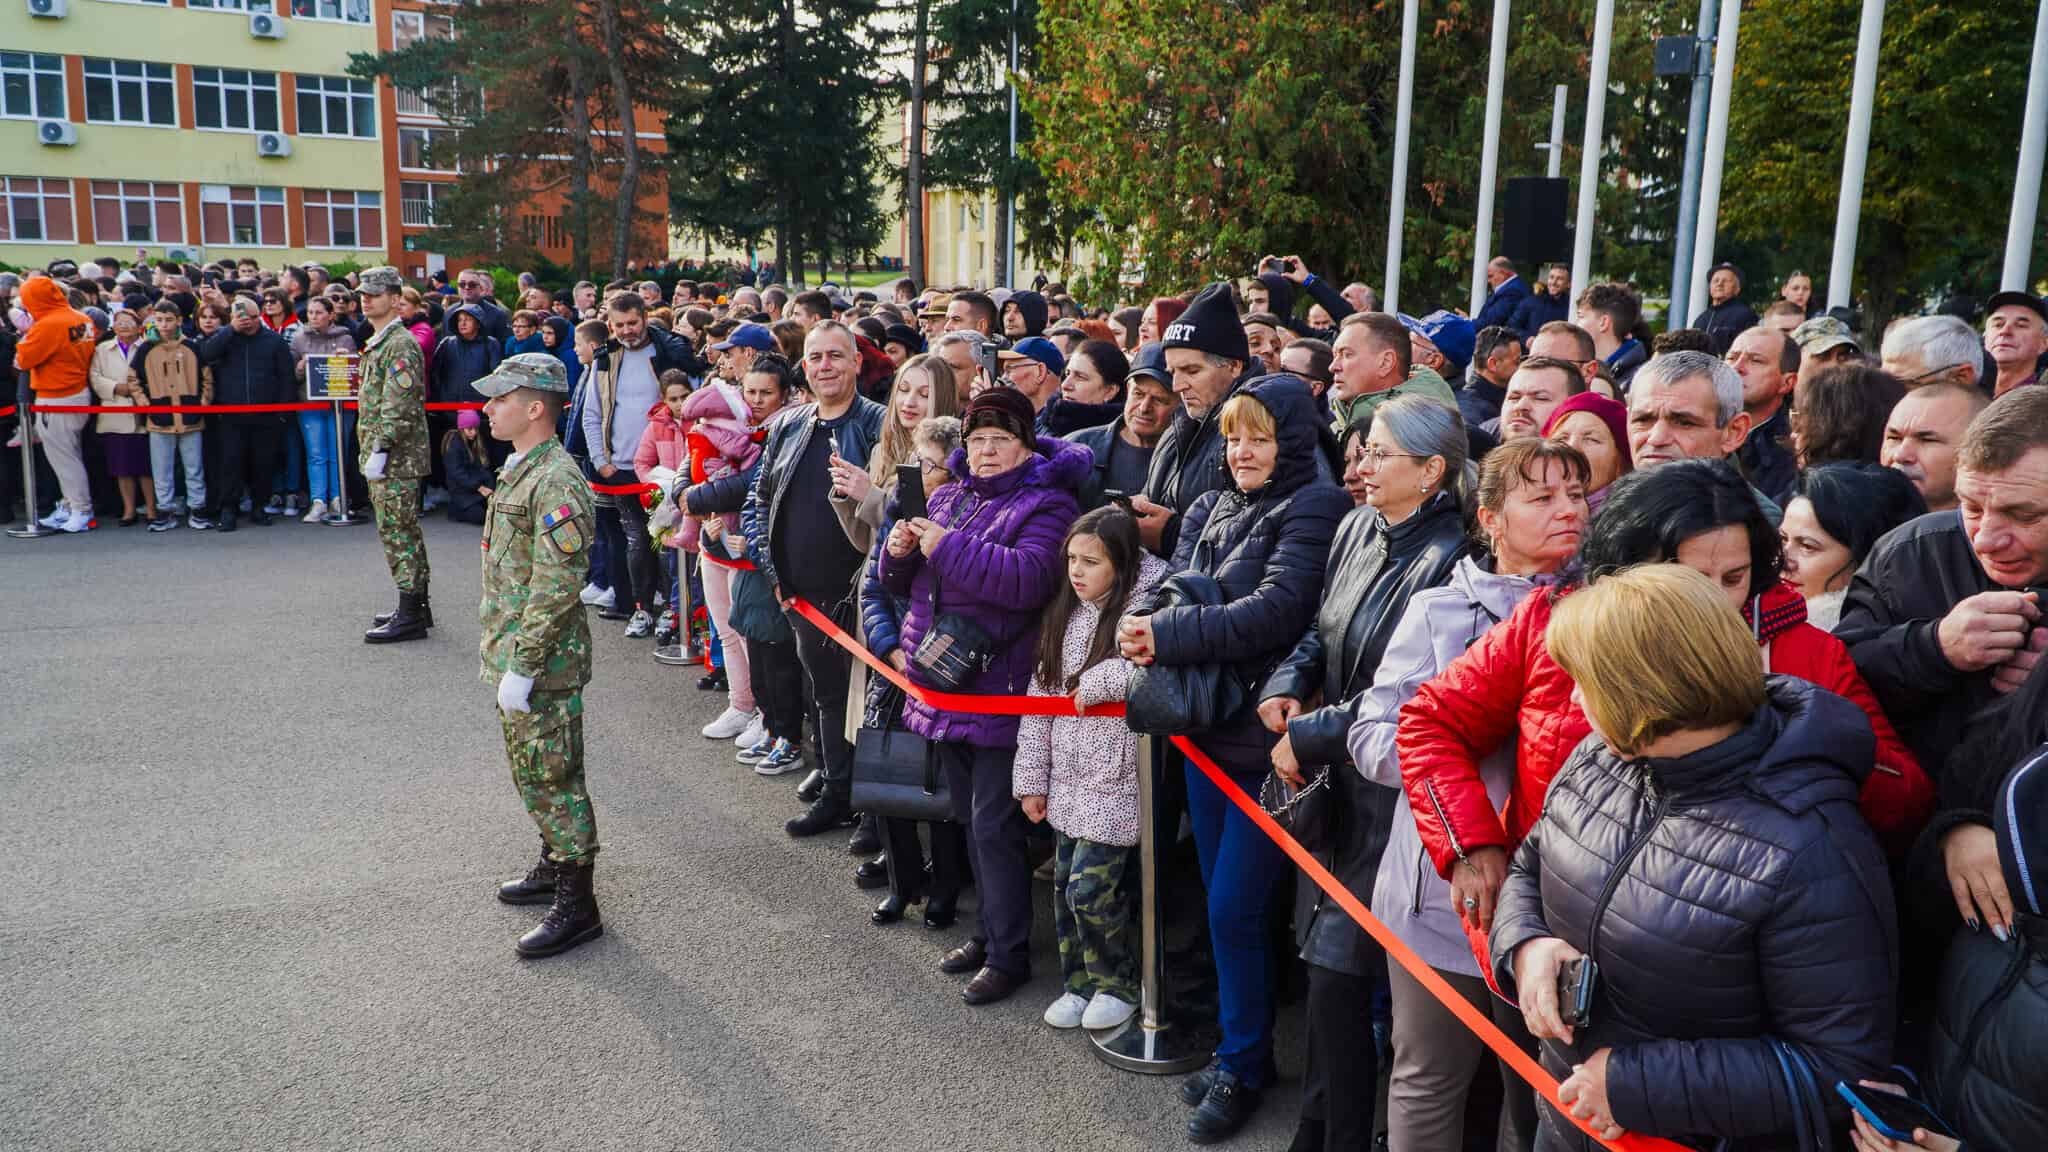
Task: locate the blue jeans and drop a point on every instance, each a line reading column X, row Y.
column 1240, row 869
column 291, row 468
column 323, row 469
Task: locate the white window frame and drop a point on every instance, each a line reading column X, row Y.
column 248, row 90
column 149, row 199
column 33, row 65
column 166, row 83
column 436, row 193
column 422, row 24
column 352, row 90
column 41, row 196
column 224, row 194
column 341, row 9
column 231, row 5
column 155, row 3
column 363, row 243
column 429, row 134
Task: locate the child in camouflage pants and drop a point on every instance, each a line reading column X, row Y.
column 1080, row 773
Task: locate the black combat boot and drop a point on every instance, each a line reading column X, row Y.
column 572, row 920
column 426, row 609
column 830, row 811
column 536, row 887
column 408, row 623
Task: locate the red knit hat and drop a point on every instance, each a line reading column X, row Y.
column 1610, row 412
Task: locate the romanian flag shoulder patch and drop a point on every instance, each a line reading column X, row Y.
column 562, row 531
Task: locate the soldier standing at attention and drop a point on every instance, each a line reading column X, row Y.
column 391, row 430
column 536, row 643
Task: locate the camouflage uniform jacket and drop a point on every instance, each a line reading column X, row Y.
column 537, row 536
column 391, row 410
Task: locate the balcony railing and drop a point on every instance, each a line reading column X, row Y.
column 416, row 213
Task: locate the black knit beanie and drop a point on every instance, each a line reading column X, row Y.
column 1211, row 325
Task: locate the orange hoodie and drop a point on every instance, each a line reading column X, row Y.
column 57, row 350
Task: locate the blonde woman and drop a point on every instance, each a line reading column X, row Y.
column 923, row 389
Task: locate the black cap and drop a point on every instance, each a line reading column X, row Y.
column 1211, row 324
column 2025, row 299
column 1150, row 360
column 1004, row 408
column 905, row 335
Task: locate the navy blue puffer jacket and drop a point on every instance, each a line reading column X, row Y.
column 1268, row 550
column 1727, row 896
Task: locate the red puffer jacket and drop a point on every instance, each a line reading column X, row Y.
column 1897, row 798
column 1504, row 685
column 1507, row 684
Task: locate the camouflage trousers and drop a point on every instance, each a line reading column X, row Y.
column 545, row 748
column 397, row 505
column 1095, row 914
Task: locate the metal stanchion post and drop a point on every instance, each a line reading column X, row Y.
column 339, row 513
column 33, row 529
column 1148, row 1042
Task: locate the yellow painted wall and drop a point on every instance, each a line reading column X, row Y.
column 203, row 36
column 118, row 152
column 40, row 255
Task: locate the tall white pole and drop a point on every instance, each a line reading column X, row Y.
column 1556, row 168
column 1010, row 178
column 1397, row 204
column 1689, row 180
column 1716, row 155
column 1596, row 137
column 2026, row 185
column 1849, row 202
column 1489, row 154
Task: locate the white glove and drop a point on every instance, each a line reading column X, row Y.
column 373, row 468
column 513, row 690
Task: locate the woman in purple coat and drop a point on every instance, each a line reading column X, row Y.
column 989, row 552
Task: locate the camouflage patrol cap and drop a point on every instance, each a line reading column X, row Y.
column 1822, row 334
column 383, row 280
column 540, row 371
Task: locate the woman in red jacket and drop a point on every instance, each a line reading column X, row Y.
column 1695, row 512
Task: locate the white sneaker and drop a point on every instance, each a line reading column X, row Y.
column 316, row 512
column 640, row 625
column 754, row 733
column 1067, row 1011
column 1106, row 1011
column 57, row 517
column 729, row 724
column 591, row 594
column 77, row 522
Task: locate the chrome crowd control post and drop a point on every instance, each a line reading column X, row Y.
column 1149, row 1042
column 33, row 529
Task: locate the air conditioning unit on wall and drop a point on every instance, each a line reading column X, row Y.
column 265, row 26
column 273, row 144
column 49, row 9
column 56, row 133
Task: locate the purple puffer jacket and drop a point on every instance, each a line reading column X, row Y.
column 998, row 565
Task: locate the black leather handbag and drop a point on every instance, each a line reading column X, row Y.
column 896, row 775
column 1184, row 699
column 956, row 648
column 1304, row 812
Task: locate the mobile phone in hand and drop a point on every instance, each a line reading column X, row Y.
column 910, row 492
column 1893, row 1115
column 1576, row 983
column 1120, row 499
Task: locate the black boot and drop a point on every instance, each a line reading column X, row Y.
column 572, row 920
column 830, row 811
column 892, row 907
column 867, row 839
column 426, row 609
column 813, row 786
column 536, row 887
column 408, row 623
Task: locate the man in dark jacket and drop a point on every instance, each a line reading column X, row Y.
column 1024, row 315
column 1496, row 353
column 1726, row 316
column 251, row 365
column 1947, row 610
column 801, row 549
column 1278, row 291
column 1552, row 304
column 1209, row 360
column 465, row 356
column 1768, row 362
column 1608, row 313
column 1505, row 293
column 1123, row 448
column 475, row 286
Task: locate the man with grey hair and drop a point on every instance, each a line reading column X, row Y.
column 1923, row 350
column 1688, row 406
column 962, row 352
column 1361, row 297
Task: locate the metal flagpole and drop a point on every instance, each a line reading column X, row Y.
column 1010, row 177
column 1489, row 154
column 1589, row 158
column 2026, row 184
column 1148, row 1042
column 1716, row 156
column 1689, row 184
column 1397, row 204
column 1849, row 202
column 1556, row 144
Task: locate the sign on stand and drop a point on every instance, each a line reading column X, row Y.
column 336, row 378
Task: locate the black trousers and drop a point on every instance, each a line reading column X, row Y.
column 908, row 878
column 827, row 668
column 636, row 575
column 778, row 682
column 1342, row 1070
column 248, row 457
column 996, row 828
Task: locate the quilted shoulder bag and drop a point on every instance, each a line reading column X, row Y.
column 1184, row 699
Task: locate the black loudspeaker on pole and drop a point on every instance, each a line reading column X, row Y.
column 1533, row 220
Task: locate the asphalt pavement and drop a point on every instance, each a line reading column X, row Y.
column 249, row 864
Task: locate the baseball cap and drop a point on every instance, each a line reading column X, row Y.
column 755, row 336
column 1150, row 360
column 1452, row 334
column 536, row 370
column 1822, row 334
column 2024, row 299
column 1036, row 348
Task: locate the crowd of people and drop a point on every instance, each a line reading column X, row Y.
column 1678, row 699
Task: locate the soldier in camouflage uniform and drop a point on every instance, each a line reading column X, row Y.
column 391, row 434
column 536, row 643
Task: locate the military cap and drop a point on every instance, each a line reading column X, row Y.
column 383, row 280
column 1822, row 334
column 540, row 371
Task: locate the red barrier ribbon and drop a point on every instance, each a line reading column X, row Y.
column 6, row 412
column 220, row 409
column 622, row 489
column 1397, row 949
column 739, row 565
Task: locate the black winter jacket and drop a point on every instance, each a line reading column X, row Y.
column 788, row 436
column 1914, row 575
column 1727, row 896
column 1268, row 550
column 253, row 369
column 1187, row 464
column 1374, row 569
column 1724, row 322
column 1101, row 441
column 459, row 363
